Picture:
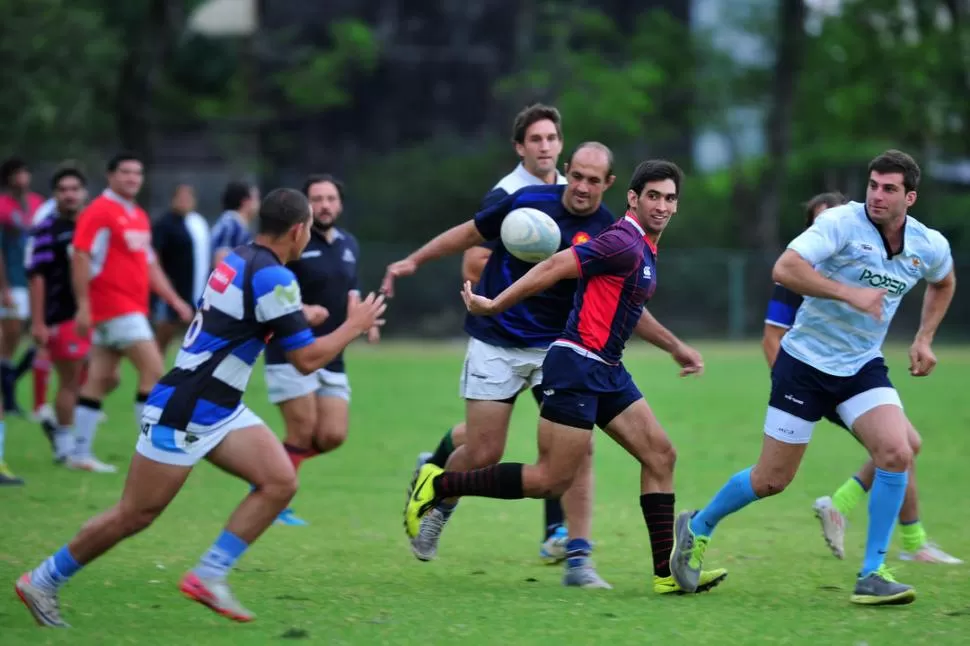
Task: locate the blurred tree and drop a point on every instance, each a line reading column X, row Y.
column 55, row 56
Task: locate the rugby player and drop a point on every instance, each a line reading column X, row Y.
column 195, row 411
column 833, row 511
column 853, row 266
column 584, row 382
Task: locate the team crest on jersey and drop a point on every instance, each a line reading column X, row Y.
column 646, row 272
column 349, row 256
column 221, row 278
column 915, row 262
column 580, row 238
column 289, row 295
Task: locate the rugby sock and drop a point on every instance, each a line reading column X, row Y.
column 298, row 455
column 577, row 552
column 216, row 563
column 848, row 496
column 140, row 399
column 497, row 481
column 55, row 571
column 885, row 501
column 42, row 374
column 914, row 535
column 445, row 448
column 3, row 434
column 24, row 363
column 6, row 382
column 554, row 516
column 734, row 495
column 658, row 513
column 86, row 416
column 63, row 441
column 446, row 509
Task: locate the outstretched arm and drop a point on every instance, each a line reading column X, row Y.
column 560, row 266
column 650, row 330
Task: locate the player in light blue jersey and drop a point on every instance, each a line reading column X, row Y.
column 853, row 265
column 195, row 412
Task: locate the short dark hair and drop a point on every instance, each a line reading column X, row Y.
column 235, row 194
column 121, row 158
column 830, row 200
column 532, row 114
column 9, row 167
column 896, row 161
column 281, row 209
column 320, row 178
column 655, row 170
column 596, row 146
column 67, row 171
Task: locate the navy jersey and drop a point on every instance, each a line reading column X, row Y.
column 538, row 320
column 618, row 275
column 249, row 297
column 782, row 307
column 174, row 245
column 326, row 272
column 48, row 255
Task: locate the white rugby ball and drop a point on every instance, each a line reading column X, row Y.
column 530, row 235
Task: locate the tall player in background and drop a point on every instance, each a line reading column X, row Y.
column 833, row 511
column 538, row 141
column 854, row 265
column 240, row 202
column 316, row 406
column 18, row 204
column 196, row 412
column 52, row 303
column 113, row 271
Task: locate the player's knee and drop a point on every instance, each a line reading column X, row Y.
column 897, row 456
column 771, row 480
column 915, row 441
column 661, row 458
column 329, row 437
column 281, row 487
column 484, row 453
column 136, row 519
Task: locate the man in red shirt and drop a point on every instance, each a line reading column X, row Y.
column 113, row 270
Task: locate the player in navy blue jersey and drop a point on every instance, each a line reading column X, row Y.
column 505, row 352
column 315, row 407
column 538, row 140
column 584, row 382
column 53, row 306
column 833, row 511
column 195, row 411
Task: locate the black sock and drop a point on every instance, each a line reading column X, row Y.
column 25, row 363
column 7, row 384
column 554, row 515
column 445, row 448
column 497, row 481
column 658, row 512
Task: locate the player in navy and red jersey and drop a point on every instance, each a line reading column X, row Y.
column 584, row 382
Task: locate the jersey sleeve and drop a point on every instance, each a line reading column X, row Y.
column 355, row 247
column 489, row 219
column 90, row 221
column 823, row 239
column 782, row 307
column 611, row 252
column 220, row 234
column 937, row 268
column 38, row 253
column 279, row 306
column 494, row 196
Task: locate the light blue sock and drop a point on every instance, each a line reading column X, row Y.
column 3, row 433
column 55, row 571
column 885, row 501
column 734, row 495
column 216, row 563
column 577, row 552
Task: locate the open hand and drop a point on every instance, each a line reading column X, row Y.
column 689, row 359
column 477, row 305
column 397, row 269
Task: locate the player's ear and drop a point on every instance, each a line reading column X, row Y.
column 631, row 198
column 609, row 181
column 910, row 198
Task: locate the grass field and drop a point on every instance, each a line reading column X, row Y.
column 349, row 578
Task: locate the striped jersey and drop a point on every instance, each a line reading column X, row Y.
column 250, row 297
column 230, row 231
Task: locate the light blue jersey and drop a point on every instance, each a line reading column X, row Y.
column 844, row 245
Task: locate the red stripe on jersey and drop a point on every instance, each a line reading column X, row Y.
column 601, row 299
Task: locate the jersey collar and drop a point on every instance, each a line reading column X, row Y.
column 885, row 243
column 528, row 178
column 632, row 220
column 111, row 195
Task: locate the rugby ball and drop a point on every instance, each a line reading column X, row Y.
column 530, row 235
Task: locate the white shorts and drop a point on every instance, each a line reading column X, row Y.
column 122, row 332
column 21, row 305
column 284, row 382
column 183, row 449
column 493, row 373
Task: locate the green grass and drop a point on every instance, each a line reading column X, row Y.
column 349, row 578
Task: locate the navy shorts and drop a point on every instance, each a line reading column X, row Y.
column 801, row 395
column 582, row 392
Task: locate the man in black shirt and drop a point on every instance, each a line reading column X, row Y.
column 315, row 407
column 181, row 241
column 52, row 303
